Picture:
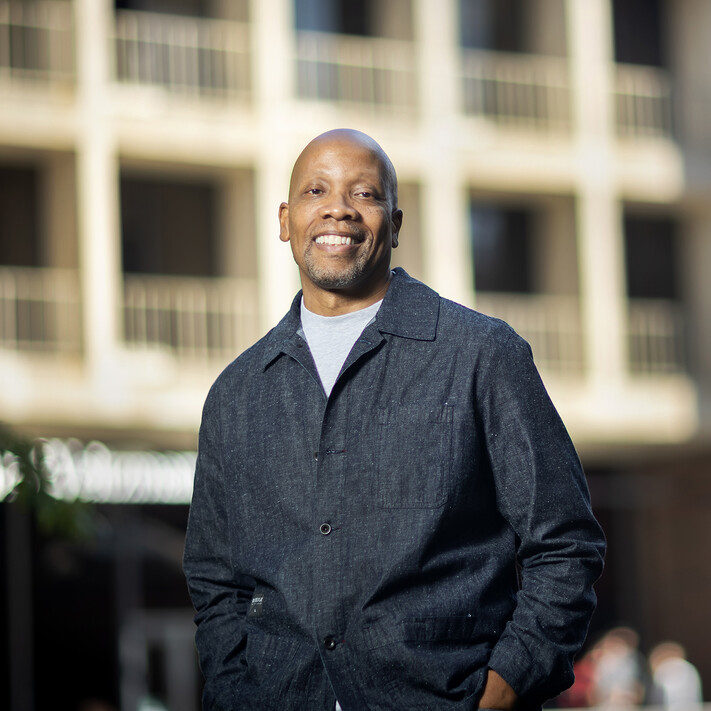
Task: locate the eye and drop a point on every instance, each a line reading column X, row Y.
column 364, row 194
column 314, row 191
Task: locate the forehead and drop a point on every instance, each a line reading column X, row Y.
column 339, row 157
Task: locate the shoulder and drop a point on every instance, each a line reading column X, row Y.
column 454, row 315
column 464, row 327
column 255, row 358
column 241, row 373
column 246, row 363
column 412, row 308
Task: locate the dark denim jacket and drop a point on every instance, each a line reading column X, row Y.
column 364, row 546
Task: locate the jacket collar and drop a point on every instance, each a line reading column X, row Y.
column 410, row 309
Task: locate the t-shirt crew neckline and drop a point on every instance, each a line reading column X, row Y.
column 330, row 338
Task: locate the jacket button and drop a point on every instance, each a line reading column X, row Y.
column 325, row 528
column 315, row 456
column 329, row 643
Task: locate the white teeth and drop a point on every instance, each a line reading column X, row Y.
column 333, row 239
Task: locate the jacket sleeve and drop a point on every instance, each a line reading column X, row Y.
column 220, row 595
column 542, row 493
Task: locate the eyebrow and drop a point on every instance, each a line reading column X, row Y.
column 380, row 183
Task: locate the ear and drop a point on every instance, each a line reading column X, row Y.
column 396, row 220
column 284, row 222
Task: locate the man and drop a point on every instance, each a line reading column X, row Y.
column 370, row 473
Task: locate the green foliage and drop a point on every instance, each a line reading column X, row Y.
column 73, row 520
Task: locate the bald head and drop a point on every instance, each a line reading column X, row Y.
column 342, row 221
column 345, row 136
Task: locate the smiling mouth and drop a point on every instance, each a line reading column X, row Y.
column 336, row 239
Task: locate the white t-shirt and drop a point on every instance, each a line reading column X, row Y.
column 330, row 339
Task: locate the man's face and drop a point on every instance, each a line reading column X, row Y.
column 340, row 218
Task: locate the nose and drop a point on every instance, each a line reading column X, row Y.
column 339, row 207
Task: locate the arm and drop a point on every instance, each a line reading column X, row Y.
column 220, row 596
column 542, row 493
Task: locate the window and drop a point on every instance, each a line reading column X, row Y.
column 638, row 32
column 337, row 16
column 168, row 227
column 651, row 257
column 190, row 8
column 19, row 230
column 492, row 24
column 501, row 244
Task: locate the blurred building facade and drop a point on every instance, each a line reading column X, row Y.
column 554, row 158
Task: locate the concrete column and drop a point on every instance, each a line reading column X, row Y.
column 235, row 10
column 555, row 255
column 393, row 19
column 598, row 212
column 237, row 238
column 59, row 215
column 445, row 223
column 408, row 254
column 690, row 50
column 690, row 58
column 97, row 187
column 273, row 77
column 697, row 258
column 545, row 21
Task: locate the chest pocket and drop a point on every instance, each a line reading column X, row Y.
column 413, row 457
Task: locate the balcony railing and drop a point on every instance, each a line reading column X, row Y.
column 194, row 318
column 186, row 55
column 356, row 70
column 211, row 318
column 40, row 310
column 656, row 336
column 37, row 39
column 517, row 90
column 533, row 92
column 209, row 57
column 642, row 101
column 202, row 319
column 551, row 324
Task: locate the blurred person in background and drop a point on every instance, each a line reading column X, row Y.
column 676, row 683
column 620, row 674
column 370, row 473
column 582, row 693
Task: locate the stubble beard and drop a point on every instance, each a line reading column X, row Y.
column 335, row 276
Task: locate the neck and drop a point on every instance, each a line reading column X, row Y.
column 336, row 302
